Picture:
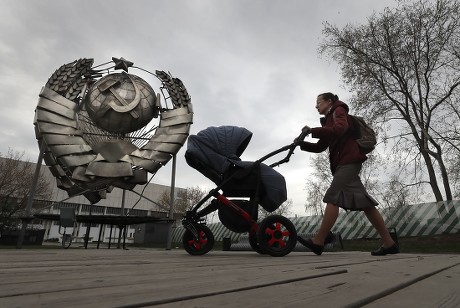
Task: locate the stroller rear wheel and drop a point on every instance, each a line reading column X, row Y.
column 277, row 235
column 201, row 245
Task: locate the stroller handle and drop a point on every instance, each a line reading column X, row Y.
column 290, row 147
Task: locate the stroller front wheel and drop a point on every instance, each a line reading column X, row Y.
column 200, row 245
column 277, row 235
column 255, row 243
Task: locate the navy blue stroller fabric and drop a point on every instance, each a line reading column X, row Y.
column 215, row 152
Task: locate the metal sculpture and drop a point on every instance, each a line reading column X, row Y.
column 96, row 126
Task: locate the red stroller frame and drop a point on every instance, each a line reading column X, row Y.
column 275, row 235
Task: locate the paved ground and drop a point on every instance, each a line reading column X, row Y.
column 172, row 278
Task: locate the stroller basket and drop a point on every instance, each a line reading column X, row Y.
column 215, row 152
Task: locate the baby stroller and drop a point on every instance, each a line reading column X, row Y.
column 215, row 152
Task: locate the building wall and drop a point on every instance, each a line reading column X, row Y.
column 112, row 205
column 53, row 230
column 107, row 233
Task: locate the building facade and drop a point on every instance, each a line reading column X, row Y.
column 141, row 201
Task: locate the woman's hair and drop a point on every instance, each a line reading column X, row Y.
column 329, row 95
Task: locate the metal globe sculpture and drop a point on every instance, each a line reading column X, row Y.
column 121, row 103
column 99, row 129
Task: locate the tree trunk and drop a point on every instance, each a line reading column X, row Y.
column 432, row 176
column 445, row 177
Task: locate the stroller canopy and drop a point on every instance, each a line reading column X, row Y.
column 214, row 150
column 217, row 148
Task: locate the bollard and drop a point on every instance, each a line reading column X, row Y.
column 226, row 243
column 394, row 235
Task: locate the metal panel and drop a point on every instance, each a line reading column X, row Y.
column 79, row 174
column 172, row 130
column 53, row 139
column 188, row 118
column 45, row 116
column 171, row 148
column 110, row 170
column 76, row 160
column 176, row 138
column 46, row 104
column 60, row 150
column 57, row 98
column 59, row 129
column 174, row 113
column 152, row 155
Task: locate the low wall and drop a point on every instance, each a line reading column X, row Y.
column 31, row 237
column 416, row 220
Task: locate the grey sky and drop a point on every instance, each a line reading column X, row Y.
column 250, row 63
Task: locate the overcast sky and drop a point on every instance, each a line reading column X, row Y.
column 249, row 63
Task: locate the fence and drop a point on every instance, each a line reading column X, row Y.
column 424, row 219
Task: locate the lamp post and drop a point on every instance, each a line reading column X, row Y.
column 171, row 202
column 26, row 219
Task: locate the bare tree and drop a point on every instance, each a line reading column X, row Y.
column 186, row 198
column 454, row 171
column 284, row 209
column 189, row 197
column 402, row 66
column 321, row 179
column 16, row 178
column 389, row 191
column 317, row 183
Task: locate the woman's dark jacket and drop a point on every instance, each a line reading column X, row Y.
column 335, row 134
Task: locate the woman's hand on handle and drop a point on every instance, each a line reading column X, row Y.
column 305, row 132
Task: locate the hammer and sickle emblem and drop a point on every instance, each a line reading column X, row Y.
column 122, row 105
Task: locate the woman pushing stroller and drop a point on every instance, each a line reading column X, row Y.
column 346, row 190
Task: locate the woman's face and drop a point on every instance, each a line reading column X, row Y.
column 323, row 105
